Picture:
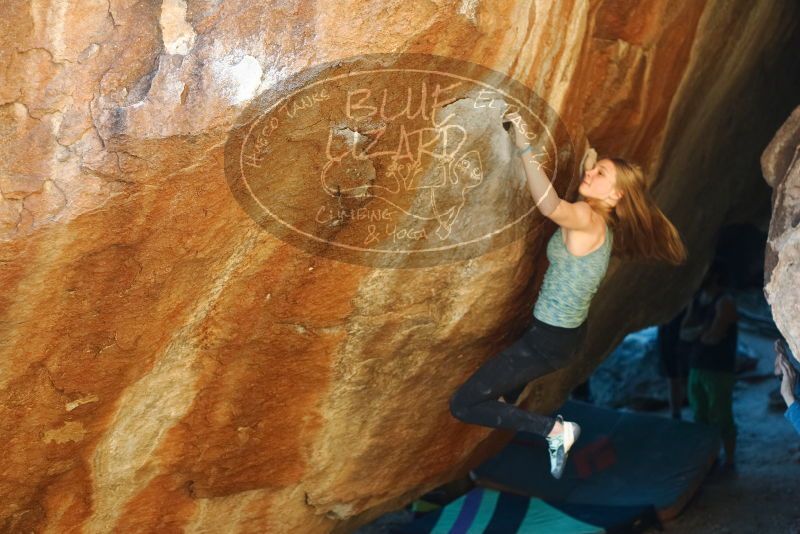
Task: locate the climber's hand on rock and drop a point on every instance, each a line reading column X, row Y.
column 522, row 133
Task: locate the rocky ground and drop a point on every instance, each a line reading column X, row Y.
column 764, row 495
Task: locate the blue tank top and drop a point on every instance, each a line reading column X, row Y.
column 570, row 282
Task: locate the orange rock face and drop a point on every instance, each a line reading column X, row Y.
column 170, row 366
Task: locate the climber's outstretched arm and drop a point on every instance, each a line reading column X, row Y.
column 570, row 215
column 566, row 214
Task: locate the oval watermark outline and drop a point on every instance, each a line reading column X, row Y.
column 550, row 136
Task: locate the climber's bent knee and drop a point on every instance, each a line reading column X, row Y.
column 458, row 407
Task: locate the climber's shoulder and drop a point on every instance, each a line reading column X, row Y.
column 573, row 215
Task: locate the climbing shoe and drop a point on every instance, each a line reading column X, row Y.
column 560, row 444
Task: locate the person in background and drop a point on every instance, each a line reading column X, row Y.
column 711, row 328
column 786, row 365
column 674, row 360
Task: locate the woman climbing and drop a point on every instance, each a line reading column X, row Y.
column 616, row 215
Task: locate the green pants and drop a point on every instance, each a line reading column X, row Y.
column 711, row 397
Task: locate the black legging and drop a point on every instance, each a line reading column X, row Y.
column 476, row 400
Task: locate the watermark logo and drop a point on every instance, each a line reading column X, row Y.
column 393, row 160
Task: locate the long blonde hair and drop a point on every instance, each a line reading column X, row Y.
column 641, row 230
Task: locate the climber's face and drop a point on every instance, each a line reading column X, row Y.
column 600, row 183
